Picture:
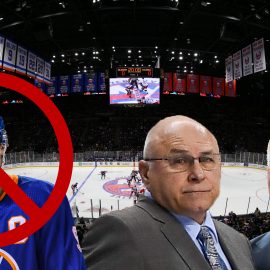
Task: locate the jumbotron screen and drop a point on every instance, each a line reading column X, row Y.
column 134, row 90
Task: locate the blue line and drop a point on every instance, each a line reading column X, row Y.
column 74, row 195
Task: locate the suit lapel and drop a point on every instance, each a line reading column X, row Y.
column 183, row 244
column 176, row 235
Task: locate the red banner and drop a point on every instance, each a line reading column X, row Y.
column 192, row 83
column 167, row 86
column 230, row 89
column 218, row 86
column 206, row 85
column 179, row 83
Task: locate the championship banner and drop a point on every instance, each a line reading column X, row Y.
column 192, row 83
column 167, row 83
column 237, row 65
column 31, row 64
column 76, row 83
column 229, row 69
column 47, row 73
column 247, row 60
column 64, row 85
column 40, row 69
column 9, row 55
column 218, row 86
column 21, row 60
column 230, row 89
column 53, row 86
column 90, row 82
column 179, row 83
column 101, row 82
column 2, row 41
column 206, row 85
column 258, row 55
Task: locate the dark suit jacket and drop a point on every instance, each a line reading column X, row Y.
column 261, row 251
column 147, row 237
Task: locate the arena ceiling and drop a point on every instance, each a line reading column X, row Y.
column 83, row 34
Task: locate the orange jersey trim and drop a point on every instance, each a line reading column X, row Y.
column 9, row 260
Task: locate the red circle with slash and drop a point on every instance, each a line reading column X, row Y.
column 38, row 216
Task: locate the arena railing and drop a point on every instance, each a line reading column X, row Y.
column 30, row 156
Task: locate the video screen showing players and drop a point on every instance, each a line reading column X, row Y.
column 134, row 90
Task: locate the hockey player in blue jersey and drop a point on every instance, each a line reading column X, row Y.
column 54, row 246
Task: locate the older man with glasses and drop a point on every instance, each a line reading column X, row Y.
column 170, row 227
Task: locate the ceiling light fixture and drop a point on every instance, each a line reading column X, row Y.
column 258, row 16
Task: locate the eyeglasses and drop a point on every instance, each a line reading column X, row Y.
column 185, row 162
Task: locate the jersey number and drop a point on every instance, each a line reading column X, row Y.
column 14, row 222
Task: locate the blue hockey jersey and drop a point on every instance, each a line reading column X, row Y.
column 53, row 247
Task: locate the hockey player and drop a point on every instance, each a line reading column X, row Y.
column 129, row 90
column 133, row 175
column 74, row 188
column 55, row 245
column 103, row 174
column 144, row 85
column 135, row 193
column 133, row 82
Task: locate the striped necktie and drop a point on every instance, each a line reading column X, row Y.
column 208, row 247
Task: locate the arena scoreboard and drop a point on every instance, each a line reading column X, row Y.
column 134, row 72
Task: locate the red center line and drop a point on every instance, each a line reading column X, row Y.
column 18, row 196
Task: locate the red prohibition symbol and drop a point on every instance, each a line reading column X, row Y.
column 38, row 216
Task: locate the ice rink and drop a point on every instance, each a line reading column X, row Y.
column 242, row 189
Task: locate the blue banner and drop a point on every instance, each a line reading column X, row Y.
column 101, row 82
column 90, row 82
column 76, row 83
column 64, row 85
column 41, row 85
column 53, row 86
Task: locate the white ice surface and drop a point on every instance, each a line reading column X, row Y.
column 243, row 188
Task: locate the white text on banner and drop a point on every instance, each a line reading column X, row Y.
column 31, row 64
column 9, row 55
column 21, row 60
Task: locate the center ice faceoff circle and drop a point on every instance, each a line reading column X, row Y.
column 118, row 187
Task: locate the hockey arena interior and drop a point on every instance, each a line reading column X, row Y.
column 115, row 68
